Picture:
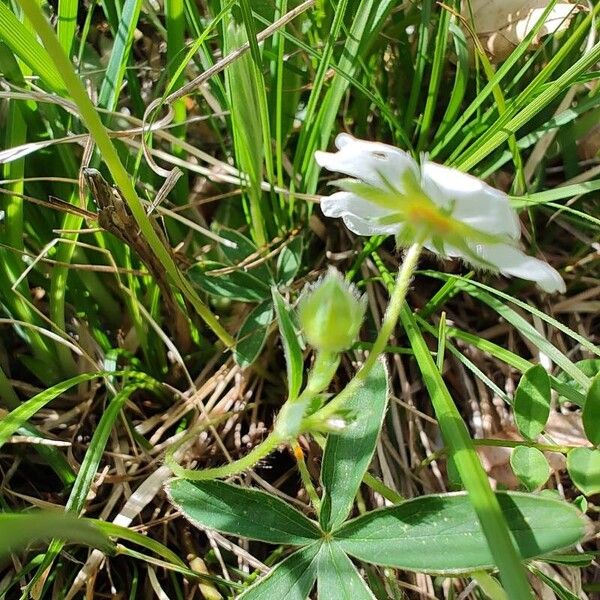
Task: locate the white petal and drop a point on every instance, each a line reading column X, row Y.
column 358, row 215
column 368, row 227
column 346, row 202
column 473, row 201
column 372, row 162
column 511, row 261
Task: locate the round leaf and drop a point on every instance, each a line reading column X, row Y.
column 530, row 466
column 532, row 402
column 591, row 412
column 583, row 465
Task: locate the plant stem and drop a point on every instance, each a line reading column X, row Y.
column 390, row 319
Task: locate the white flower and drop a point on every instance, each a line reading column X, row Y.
column 456, row 215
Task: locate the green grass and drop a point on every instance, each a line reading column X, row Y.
column 85, row 354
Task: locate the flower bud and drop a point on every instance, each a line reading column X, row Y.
column 331, row 313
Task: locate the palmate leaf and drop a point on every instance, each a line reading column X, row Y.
column 337, row 576
column 441, row 533
column 242, row 512
column 291, row 579
column 348, row 454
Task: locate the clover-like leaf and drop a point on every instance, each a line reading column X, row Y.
column 532, row 402
column 591, row 412
column 583, row 465
column 530, row 466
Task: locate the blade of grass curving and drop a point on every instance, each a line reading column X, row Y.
column 504, row 355
column 503, row 72
column 472, row 474
column 23, row 43
column 492, row 297
column 53, row 457
column 85, row 476
column 524, row 109
column 106, row 148
column 175, row 568
column 19, row 416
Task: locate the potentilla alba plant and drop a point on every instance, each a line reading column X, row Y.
column 453, row 214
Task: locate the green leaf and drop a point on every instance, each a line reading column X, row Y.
column 348, row 454
column 24, row 44
column 562, row 593
column 244, row 248
column 441, row 533
column 253, row 334
column 338, row 577
column 20, row 530
column 591, row 412
column 115, row 71
column 532, row 402
column 19, row 416
column 590, row 367
column 291, row 579
column 289, row 261
column 241, row 511
column 291, row 346
column 234, row 284
column 530, row 466
column 583, row 465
